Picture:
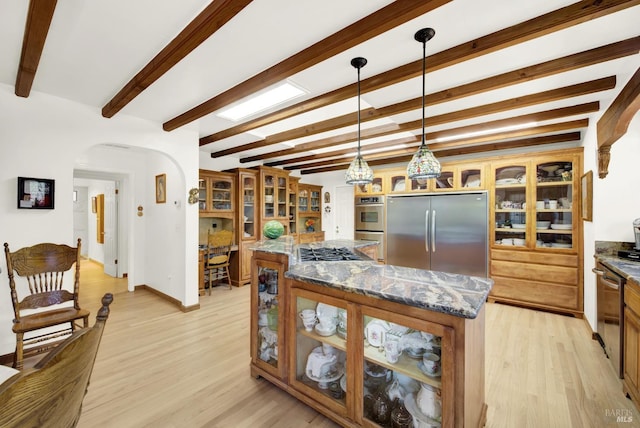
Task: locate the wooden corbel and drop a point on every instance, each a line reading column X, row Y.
column 615, row 121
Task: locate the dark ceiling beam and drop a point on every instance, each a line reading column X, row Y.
column 545, row 69
column 210, row 20
column 579, row 89
column 545, row 24
column 380, row 21
column 35, row 35
column 383, row 130
column 387, row 159
column 466, row 143
column 382, row 158
column 615, row 121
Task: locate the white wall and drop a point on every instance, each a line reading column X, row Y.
column 616, row 202
column 48, row 137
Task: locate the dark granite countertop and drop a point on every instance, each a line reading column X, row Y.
column 453, row 294
column 625, row 268
column 607, row 254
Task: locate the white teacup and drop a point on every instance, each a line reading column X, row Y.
column 553, row 205
column 431, row 362
column 392, row 351
column 326, row 323
column 308, row 317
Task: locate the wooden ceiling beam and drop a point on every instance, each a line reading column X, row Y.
column 389, row 158
column 210, row 20
column 383, row 130
column 36, row 29
column 579, row 89
column 467, row 143
column 380, row 21
column 615, row 121
column 545, row 69
column 559, row 19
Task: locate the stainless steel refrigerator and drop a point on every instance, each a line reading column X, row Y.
column 444, row 232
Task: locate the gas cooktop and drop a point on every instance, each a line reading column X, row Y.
column 327, row 254
column 632, row 255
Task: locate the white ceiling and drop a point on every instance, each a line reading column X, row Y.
column 94, row 48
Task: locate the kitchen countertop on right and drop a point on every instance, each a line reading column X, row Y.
column 625, row 268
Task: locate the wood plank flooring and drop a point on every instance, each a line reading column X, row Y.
column 159, row 367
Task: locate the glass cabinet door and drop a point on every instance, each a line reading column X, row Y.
column 398, row 182
column 283, row 198
column 319, row 365
column 554, row 205
column 402, row 377
column 221, row 193
column 471, row 178
column 446, row 181
column 293, row 207
column 269, row 197
column 269, row 316
column 419, row 185
column 510, row 205
column 303, row 201
column 248, row 190
column 314, row 199
column 202, row 194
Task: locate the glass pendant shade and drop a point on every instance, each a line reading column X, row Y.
column 423, row 164
column 359, row 172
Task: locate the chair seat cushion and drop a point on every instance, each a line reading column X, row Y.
column 217, row 260
column 47, row 318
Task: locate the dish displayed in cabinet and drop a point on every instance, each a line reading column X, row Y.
column 407, row 384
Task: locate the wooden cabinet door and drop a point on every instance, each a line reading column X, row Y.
column 631, row 350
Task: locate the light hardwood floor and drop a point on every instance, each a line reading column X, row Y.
column 159, row 367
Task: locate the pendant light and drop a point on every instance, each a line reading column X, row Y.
column 359, row 171
column 423, row 164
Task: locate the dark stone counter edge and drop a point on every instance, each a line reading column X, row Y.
column 435, row 307
column 625, row 268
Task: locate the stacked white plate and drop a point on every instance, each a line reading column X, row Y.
column 560, row 226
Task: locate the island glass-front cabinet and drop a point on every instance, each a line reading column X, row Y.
column 364, row 380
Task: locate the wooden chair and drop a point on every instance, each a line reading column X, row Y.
column 42, row 268
column 50, row 394
column 217, row 256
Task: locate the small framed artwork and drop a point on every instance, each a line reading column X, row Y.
column 36, row 193
column 161, row 188
column 586, row 182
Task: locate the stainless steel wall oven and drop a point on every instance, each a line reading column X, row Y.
column 370, row 221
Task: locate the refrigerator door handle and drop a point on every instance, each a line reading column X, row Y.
column 426, row 230
column 433, row 232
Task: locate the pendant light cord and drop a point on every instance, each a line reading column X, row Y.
column 424, row 67
column 358, row 111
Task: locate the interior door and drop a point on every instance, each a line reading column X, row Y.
column 111, row 229
column 343, row 207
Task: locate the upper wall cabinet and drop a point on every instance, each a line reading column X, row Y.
column 216, row 194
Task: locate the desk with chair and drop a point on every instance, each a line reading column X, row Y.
column 213, row 259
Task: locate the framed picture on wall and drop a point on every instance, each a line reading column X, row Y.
column 161, row 188
column 36, row 193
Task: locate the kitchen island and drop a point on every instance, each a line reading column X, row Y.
column 303, row 313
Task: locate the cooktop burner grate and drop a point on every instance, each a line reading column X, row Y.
column 327, row 254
